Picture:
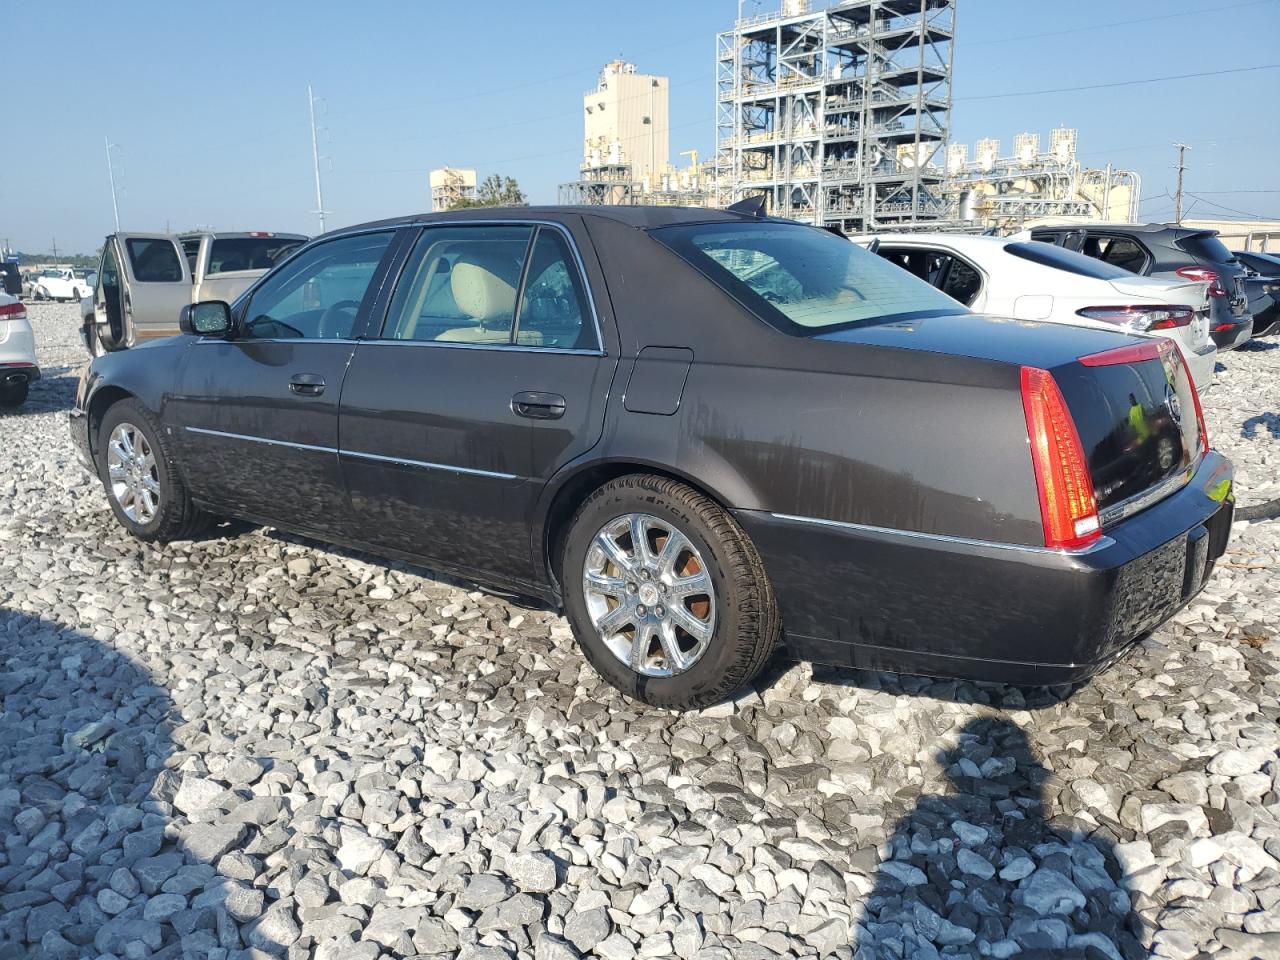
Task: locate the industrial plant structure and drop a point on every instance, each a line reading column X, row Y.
column 450, row 187
column 837, row 115
column 1006, row 193
column 626, row 148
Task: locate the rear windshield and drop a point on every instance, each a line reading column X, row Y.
column 248, row 253
column 1206, row 246
column 1061, row 258
column 802, row 280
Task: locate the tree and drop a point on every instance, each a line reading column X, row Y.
column 495, row 191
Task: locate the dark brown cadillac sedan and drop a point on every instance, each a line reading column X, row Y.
column 702, row 432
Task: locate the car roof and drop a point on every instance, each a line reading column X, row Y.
column 643, row 217
column 1118, row 227
column 958, row 241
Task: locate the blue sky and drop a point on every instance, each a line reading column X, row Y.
column 208, row 102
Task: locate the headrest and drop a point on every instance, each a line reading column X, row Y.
column 481, row 289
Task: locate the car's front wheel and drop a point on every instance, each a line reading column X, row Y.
column 666, row 593
column 145, row 490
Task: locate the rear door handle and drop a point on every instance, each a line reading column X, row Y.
column 538, row 406
column 307, row 384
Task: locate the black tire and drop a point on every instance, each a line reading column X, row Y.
column 176, row 518
column 14, row 394
column 746, row 629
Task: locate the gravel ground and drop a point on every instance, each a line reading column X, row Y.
column 253, row 745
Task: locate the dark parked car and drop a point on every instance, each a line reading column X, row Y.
column 1262, row 282
column 696, row 430
column 1164, row 250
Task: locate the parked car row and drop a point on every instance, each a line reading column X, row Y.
column 700, row 432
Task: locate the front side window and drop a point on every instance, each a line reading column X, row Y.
column 154, row 260
column 801, row 280
column 318, row 295
column 492, row 286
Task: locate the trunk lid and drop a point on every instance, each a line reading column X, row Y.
column 1187, row 293
column 1139, row 422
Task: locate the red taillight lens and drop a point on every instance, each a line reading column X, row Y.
column 1204, row 275
column 12, row 311
column 1067, row 507
column 1142, row 318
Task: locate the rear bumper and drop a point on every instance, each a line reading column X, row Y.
column 880, row 599
column 1202, row 366
column 18, row 373
column 1229, row 334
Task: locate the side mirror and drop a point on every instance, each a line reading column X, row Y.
column 209, row 318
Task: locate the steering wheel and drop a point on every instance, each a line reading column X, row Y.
column 331, row 317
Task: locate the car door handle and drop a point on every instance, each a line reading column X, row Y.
column 538, row 406
column 307, row 384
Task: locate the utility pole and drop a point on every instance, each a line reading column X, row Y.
column 1177, row 196
column 55, row 249
column 111, row 175
column 315, row 158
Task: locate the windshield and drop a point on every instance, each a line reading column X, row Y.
column 248, row 253
column 803, row 280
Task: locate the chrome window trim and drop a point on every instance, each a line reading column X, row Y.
column 1099, row 544
column 452, row 345
column 471, row 471
column 577, row 259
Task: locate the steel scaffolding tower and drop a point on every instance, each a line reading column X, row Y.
column 837, row 115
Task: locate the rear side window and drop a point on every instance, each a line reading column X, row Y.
column 1206, row 246
column 1059, row 258
column 247, row 253
column 802, row 280
column 154, row 260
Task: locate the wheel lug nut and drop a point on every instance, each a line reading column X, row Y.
column 640, row 610
column 660, row 612
column 631, row 588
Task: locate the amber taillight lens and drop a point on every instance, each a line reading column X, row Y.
column 1067, row 506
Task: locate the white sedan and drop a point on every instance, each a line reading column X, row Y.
column 64, row 284
column 17, row 352
column 1027, row 280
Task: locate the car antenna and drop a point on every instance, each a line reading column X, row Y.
column 752, row 206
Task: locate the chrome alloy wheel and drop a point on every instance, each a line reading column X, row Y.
column 131, row 469
column 649, row 595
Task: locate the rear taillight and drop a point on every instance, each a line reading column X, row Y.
column 12, row 311
column 1142, row 318
column 1204, row 275
column 1068, row 510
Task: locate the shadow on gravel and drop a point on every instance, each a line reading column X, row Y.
column 1269, row 421
column 1258, row 346
column 981, row 870
column 91, row 863
column 1000, row 695
column 53, row 392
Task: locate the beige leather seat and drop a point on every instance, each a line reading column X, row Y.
column 482, row 292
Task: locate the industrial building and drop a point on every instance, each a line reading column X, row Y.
column 626, row 146
column 1006, row 193
column 450, row 187
column 837, row 115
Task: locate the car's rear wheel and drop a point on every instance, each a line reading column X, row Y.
column 666, row 594
column 145, row 490
column 14, row 394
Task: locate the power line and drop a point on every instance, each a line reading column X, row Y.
column 1243, row 213
column 1115, row 23
column 1122, row 83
